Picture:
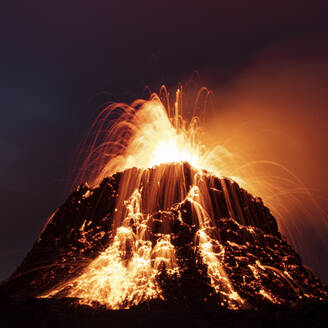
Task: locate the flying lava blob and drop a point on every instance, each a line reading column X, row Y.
column 159, row 222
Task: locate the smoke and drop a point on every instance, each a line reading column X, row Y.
column 274, row 115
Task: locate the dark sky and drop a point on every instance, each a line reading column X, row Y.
column 60, row 60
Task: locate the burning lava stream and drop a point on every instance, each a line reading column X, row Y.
column 160, row 222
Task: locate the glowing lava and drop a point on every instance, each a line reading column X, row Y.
column 142, row 245
column 144, row 136
column 146, row 133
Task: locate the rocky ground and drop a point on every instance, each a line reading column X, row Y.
column 65, row 313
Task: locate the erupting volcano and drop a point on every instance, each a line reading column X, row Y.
column 162, row 220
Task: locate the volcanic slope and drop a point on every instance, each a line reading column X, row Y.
column 169, row 234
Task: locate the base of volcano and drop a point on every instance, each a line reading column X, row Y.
column 54, row 313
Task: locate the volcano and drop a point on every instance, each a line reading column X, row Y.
column 172, row 234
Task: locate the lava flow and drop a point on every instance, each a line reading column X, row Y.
column 160, row 223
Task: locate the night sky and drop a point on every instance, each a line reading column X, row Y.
column 60, row 60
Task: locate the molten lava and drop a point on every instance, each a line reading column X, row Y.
column 145, row 134
column 161, row 223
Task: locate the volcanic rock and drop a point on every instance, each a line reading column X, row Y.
column 258, row 266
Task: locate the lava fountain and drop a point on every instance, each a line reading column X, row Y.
column 159, row 222
column 148, row 133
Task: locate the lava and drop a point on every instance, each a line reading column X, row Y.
column 160, row 220
column 148, row 133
